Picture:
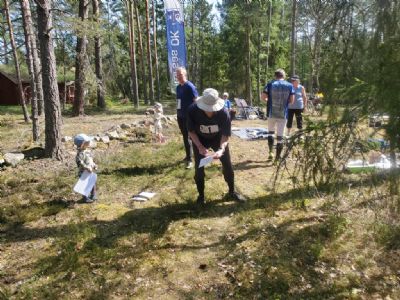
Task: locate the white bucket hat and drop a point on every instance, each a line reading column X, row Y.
column 210, row 101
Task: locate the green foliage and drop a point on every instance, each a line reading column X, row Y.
column 320, row 152
column 388, row 235
column 360, row 92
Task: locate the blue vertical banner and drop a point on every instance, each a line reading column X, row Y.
column 176, row 43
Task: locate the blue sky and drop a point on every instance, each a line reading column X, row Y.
column 214, row 11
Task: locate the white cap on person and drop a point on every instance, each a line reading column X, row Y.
column 210, row 101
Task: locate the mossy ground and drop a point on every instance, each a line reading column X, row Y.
column 288, row 244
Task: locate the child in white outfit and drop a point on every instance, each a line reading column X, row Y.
column 158, row 116
column 84, row 161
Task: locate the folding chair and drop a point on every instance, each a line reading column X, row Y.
column 245, row 111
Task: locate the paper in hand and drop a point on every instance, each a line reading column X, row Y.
column 205, row 161
column 85, row 183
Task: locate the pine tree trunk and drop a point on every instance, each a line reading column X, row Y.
column 249, row 93
column 268, row 38
column 141, row 54
column 38, row 73
column 17, row 70
column 5, row 45
column 157, row 69
column 98, row 59
column 27, row 24
column 192, row 45
column 50, row 88
column 132, row 54
column 316, row 57
column 293, row 40
column 258, row 68
column 149, row 60
column 64, row 99
column 199, row 57
column 80, row 63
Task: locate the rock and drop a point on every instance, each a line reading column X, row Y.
column 66, row 139
column 2, row 161
column 122, row 135
column 93, row 144
column 105, row 139
column 97, row 138
column 113, row 135
column 114, row 128
column 13, row 159
column 125, row 126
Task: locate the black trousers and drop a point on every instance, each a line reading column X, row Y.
column 227, row 168
column 185, row 134
column 299, row 117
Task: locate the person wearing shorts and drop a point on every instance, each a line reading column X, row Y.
column 278, row 94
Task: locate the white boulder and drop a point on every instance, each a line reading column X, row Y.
column 13, row 159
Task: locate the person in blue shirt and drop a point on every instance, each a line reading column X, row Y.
column 278, row 93
column 209, row 127
column 299, row 105
column 186, row 94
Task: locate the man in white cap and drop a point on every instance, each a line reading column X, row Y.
column 278, row 93
column 209, row 126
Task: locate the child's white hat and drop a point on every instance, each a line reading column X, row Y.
column 81, row 138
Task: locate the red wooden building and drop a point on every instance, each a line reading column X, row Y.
column 9, row 94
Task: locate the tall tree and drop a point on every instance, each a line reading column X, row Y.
column 141, row 53
column 192, row 43
column 386, row 54
column 4, row 38
column 98, row 59
column 50, row 88
column 157, row 69
column 249, row 93
column 293, row 40
column 16, row 62
column 149, row 59
column 268, row 36
column 132, row 52
column 28, row 31
column 80, row 62
column 319, row 16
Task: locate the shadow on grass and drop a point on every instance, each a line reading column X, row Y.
column 288, row 257
column 155, row 220
column 15, row 216
column 141, row 170
column 152, row 220
column 286, row 263
column 251, row 164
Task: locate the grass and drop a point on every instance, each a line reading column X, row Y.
column 292, row 244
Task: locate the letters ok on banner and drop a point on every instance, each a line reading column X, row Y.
column 176, row 43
